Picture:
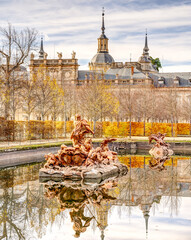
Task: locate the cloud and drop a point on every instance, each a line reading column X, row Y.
column 75, row 25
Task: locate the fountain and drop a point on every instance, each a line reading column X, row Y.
column 82, row 161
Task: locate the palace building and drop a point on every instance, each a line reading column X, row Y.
column 103, row 67
column 63, row 70
column 138, row 75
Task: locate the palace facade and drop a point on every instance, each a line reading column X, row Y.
column 104, row 68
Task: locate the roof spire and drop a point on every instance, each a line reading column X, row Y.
column 103, row 25
column 41, row 55
column 102, row 235
column 146, row 49
column 146, row 216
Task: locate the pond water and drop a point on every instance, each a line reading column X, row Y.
column 147, row 203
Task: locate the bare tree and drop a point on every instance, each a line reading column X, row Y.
column 97, row 101
column 127, row 99
column 144, row 105
column 15, row 48
column 43, row 93
column 1, row 96
column 28, row 97
column 172, row 106
column 186, row 109
column 57, row 103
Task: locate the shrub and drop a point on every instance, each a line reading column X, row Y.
column 183, row 128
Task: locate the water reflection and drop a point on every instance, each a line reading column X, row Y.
column 78, row 197
column 158, row 163
column 29, row 209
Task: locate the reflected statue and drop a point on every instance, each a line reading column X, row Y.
column 158, row 164
column 160, row 149
column 78, row 197
column 77, row 217
column 160, row 152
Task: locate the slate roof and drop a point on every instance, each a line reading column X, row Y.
column 123, row 73
column 102, row 58
column 82, row 73
column 103, row 36
column 168, row 79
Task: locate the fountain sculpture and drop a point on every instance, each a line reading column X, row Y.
column 82, row 161
column 160, row 152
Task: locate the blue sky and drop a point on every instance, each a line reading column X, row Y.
column 75, row 25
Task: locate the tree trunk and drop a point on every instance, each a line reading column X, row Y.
column 130, row 127
column 172, row 130
column 94, row 127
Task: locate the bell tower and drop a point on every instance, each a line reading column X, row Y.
column 145, row 60
column 103, row 40
column 102, row 61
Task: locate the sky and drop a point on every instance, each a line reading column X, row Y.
column 75, row 26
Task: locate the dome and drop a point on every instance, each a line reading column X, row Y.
column 102, row 58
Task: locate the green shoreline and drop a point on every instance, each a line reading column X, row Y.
column 32, row 146
column 69, row 142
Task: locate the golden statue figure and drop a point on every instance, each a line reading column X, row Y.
column 80, row 129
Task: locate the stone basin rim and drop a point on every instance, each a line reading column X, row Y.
column 86, row 174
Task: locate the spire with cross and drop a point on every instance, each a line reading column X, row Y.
column 41, row 52
column 103, row 25
column 146, row 49
column 103, row 40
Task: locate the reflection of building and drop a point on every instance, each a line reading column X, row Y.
column 145, row 206
column 144, row 188
column 102, row 216
column 21, row 193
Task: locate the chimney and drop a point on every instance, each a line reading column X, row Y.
column 132, row 70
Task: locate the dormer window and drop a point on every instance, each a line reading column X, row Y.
column 176, row 81
column 161, row 81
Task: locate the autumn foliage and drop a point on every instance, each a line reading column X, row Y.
column 30, row 130
column 140, row 161
column 183, row 128
column 122, row 129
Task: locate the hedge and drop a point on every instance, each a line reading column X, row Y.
column 25, row 130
